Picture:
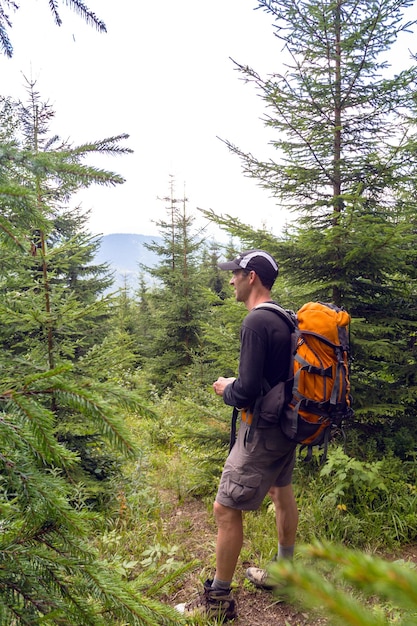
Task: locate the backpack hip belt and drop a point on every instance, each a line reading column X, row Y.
column 246, row 416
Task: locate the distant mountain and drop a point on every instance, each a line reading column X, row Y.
column 124, row 253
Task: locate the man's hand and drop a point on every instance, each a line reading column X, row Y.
column 221, row 383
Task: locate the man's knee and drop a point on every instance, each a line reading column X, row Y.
column 225, row 515
column 272, row 492
column 282, row 496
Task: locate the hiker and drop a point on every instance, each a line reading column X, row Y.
column 263, row 461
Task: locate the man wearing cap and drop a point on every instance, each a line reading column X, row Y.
column 263, row 461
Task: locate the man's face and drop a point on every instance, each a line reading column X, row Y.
column 241, row 283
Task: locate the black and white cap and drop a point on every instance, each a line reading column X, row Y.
column 261, row 262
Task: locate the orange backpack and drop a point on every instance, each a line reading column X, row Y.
column 317, row 394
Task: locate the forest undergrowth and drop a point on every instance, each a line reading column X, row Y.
column 163, row 528
column 191, row 524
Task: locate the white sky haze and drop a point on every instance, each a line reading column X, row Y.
column 163, row 75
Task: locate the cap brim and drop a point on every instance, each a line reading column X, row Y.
column 229, row 265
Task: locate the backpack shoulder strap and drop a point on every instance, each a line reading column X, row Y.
column 291, row 320
column 288, row 316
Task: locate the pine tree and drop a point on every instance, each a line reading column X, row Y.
column 57, row 285
column 50, row 569
column 211, row 275
column 6, row 23
column 342, row 127
column 177, row 305
column 144, row 318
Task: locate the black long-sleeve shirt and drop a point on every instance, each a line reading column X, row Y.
column 265, row 346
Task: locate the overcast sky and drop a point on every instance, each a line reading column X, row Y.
column 162, row 74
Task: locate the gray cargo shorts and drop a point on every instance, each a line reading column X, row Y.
column 252, row 469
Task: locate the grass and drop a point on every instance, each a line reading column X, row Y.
column 364, row 506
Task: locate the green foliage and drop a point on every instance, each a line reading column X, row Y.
column 62, row 415
column 221, row 337
column 368, row 505
column 53, row 317
column 176, row 309
column 212, row 277
column 353, row 242
column 49, row 564
column 152, row 556
column 361, row 589
column 357, row 502
column 76, row 367
column 192, row 431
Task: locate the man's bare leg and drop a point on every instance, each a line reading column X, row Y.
column 286, row 515
column 217, row 599
column 229, row 541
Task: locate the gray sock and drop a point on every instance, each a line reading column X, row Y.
column 285, row 552
column 221, row 585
